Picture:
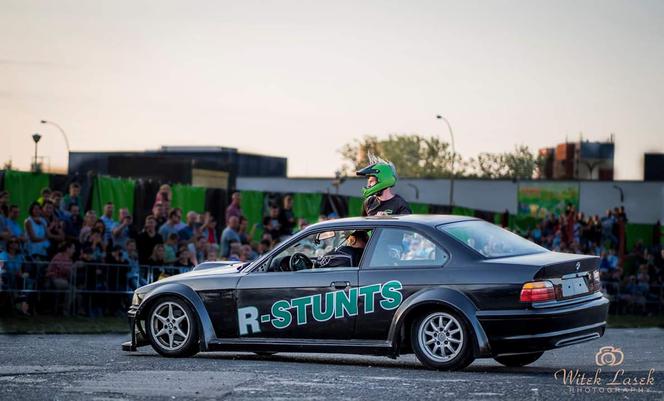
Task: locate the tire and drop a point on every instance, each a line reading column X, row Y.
column 518, row 360
column 172, row 328
column 441, row 340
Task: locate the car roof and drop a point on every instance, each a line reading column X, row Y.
column 431, row 220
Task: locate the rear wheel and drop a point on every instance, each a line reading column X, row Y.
column 442, row 341
column 518, row 360
column 172, row 328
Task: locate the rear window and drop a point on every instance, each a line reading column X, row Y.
column 490, row 240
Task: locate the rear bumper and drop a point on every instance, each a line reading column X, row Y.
column 541, row 329
column 138, row 337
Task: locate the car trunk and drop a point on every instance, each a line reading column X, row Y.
column 570, row 274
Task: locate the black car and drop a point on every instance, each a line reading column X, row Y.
column 448, row 288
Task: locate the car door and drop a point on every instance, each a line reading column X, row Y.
column 400, row 262
column 313, row 303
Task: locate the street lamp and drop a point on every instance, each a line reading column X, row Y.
column 64, row 135
column 36, row 137
column 449, row 127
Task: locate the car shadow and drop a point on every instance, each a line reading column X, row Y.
column 319, row 359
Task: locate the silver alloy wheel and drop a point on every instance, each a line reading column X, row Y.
column 170, row 326
column 441, row 336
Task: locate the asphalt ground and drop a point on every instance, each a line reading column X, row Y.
column 74, row 367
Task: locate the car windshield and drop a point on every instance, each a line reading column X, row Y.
column 490, row 240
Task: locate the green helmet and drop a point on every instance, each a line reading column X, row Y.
column 385, row 176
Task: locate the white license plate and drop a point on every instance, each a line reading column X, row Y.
column 574, row 286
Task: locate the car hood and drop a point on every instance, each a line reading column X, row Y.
column 215, row 271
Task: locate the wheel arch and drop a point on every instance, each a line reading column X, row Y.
column 205, row 329
column 438, row 298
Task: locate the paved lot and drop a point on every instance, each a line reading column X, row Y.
column 65, row 367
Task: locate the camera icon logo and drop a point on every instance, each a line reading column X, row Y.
column 609, row 356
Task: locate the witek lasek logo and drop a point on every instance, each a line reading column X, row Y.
column 609, row 356
column 321, row 307
column 609, row 381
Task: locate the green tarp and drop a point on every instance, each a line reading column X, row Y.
column 24, row 188
column 355, row 206
column 188, row 198
column 635, row 232
column 463, row 211
column 117, row 190
column 307, row 206
column 419, row 208
column 252, row 203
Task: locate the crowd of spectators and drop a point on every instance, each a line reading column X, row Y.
column 59, row 246
column 634, row 277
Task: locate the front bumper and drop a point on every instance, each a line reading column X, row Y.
column 541, row 329
column 138, row 336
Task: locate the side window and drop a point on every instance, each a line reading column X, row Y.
column 335, row 248
column 403, row 248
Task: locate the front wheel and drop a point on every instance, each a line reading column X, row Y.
column 172, row 328
column 442, row 341
column 518, row 360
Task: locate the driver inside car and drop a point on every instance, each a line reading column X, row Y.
column 348, row 255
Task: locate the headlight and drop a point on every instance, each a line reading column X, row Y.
column 137, row 298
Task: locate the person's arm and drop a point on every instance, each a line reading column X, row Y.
column 5, row 234
column 117, row 230
column 55, row 231
column 31, row 233
column 192, row 254
column 405, row 208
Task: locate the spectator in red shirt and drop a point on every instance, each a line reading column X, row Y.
column 59, row 272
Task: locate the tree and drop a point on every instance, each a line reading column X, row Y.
column 518, row 164
column 414, row 155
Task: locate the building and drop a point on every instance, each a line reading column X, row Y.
column 583, row 160
column 653, row 167
column 208, row 166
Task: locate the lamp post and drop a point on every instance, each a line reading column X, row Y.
column 449, row 127
column 36, row 137
column 64, row 135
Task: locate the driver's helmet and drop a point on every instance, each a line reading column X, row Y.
column 384, row 171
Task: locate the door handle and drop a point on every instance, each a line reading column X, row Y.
column 340, row 284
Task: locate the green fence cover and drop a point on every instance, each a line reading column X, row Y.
column 355, row 206
column 307, row 206
column 635, row 232
column 252, row 203
column 463, row 211
column 120, row 191
column 24, row 188
column 419, row 208
column 188, row 198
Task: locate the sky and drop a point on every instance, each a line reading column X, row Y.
column 301, row 78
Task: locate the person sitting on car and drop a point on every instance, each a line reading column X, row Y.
column 348, row 255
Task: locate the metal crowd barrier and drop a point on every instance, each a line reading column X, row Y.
column 94, row 289
column 90, row 288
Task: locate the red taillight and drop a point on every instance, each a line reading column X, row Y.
column 538, row 291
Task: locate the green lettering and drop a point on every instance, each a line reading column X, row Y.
column 391, row 296
column 317, row 307
column 368, row 291
column 282, row 316
column 345, row 303
column 300, row 305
